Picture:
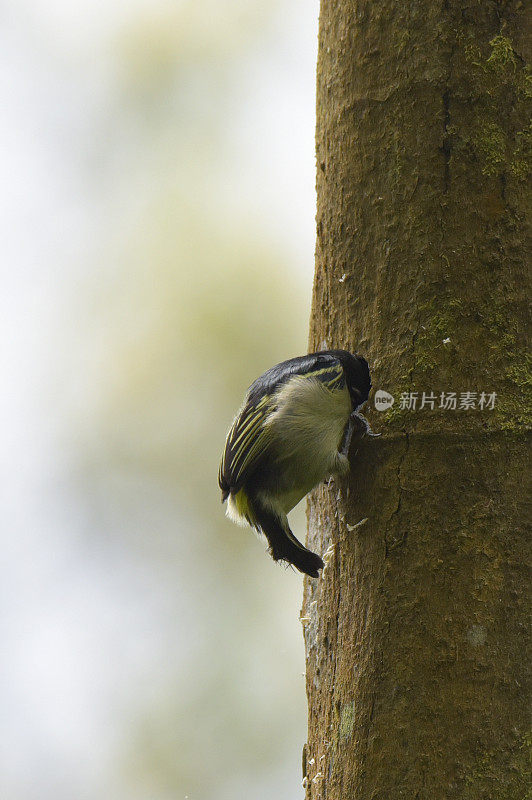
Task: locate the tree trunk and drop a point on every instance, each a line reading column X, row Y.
column 416, row 635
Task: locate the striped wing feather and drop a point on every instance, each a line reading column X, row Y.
column 249, row 436
column 245, row 443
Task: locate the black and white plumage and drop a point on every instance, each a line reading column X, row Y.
column 292, row 431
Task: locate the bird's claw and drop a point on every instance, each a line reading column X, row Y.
column 359, row 424
column 357, row 420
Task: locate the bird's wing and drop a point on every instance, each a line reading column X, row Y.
column 325, row 366
column 246, row 441
column 331, row 375
column 249, row 436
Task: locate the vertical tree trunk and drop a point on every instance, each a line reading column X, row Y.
column 416, row 635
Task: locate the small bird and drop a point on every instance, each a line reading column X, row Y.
column 293, row 430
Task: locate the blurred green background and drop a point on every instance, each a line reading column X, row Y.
column 158, row 230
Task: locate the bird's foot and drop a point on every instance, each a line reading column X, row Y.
column 356, row 424
column 363, row 424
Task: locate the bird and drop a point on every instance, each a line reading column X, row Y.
column 293, row 430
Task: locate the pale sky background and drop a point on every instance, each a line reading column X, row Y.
column 158, row 204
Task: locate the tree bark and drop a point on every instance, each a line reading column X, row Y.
column 416, row 635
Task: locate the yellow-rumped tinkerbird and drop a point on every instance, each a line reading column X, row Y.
column 292, row 431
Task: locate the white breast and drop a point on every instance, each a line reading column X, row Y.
column 309, row 420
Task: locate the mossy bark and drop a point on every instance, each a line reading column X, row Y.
column 416, row 635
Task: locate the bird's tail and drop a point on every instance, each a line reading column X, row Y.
column 283, row 544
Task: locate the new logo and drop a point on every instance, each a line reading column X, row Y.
column 383, row 400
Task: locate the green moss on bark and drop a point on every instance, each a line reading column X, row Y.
column 495, row 76
column 514, row 763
